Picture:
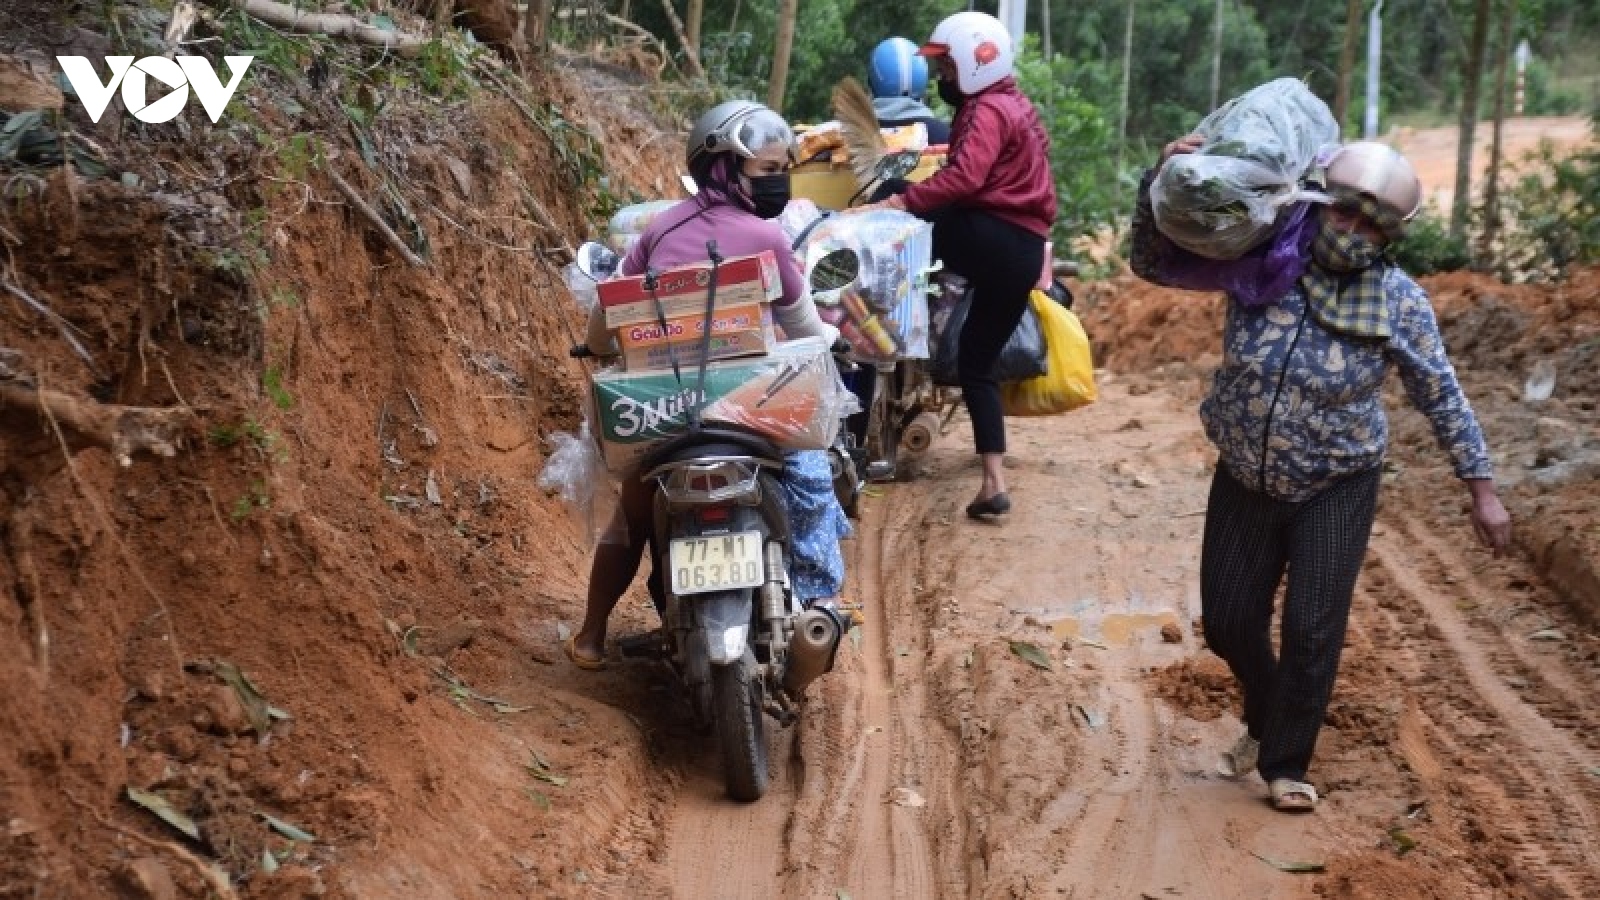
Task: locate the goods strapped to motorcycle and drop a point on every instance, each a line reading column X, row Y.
column 893, row 314
column 702, row 408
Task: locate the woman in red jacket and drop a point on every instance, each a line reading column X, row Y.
column 992, row 207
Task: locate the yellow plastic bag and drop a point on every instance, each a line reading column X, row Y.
column 1069, row 381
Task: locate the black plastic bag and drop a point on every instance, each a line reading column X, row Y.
column 1022, row 358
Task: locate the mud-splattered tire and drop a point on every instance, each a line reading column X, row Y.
column 740, row 728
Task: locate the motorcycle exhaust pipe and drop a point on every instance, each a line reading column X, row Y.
column 918, row 436
column 812, row 648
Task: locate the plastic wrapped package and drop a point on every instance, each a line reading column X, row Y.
column 792, row 396
column 575, row 472
column 584, row 289
column 630, row 221
column 1224, row 199
column 886, row 307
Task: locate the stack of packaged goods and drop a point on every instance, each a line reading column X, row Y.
column 883, row 313
column 788, row 392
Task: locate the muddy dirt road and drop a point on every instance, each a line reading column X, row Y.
column 1459, row 762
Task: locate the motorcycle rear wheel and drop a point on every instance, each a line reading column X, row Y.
column 741, row 731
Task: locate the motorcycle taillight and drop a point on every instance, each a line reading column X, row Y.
column 715, row 515
column 708, row 483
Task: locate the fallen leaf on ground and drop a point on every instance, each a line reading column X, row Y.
column 1294, row 868
column 539, row 800
column 540, row 769
column 1031, row 654
column 1403, row 842
column 1548, row 634
column 165, row 811
column 1094, row 718
column 289, row 831
column 255, row 705
column 909, row 798
column 269, row 863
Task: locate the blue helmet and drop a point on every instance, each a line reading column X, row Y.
column 896, row 70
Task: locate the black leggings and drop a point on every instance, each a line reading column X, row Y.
column 1001, row 263
column 1250, row 539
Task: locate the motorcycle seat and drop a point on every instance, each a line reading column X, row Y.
column 712, row 442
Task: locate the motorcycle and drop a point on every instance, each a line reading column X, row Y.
column 738, row 641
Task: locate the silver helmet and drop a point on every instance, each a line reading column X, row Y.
column 743, row 127
column 1378, row 171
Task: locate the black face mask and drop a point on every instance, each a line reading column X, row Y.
column 950, row 93
column 769, row 194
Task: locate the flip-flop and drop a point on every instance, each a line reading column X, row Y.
column 1289, row 795
column 587, row 663
column 997, row 505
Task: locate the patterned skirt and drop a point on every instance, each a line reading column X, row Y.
column 817, row 522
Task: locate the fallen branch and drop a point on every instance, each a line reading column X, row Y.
column 376, row 220
column 689, row 53
column 282, row 15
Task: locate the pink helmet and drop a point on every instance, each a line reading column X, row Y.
column 1378, row 171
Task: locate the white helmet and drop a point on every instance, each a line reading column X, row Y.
column 979, row 46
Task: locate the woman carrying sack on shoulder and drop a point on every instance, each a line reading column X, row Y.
column 1296, row 413
column 992, row 207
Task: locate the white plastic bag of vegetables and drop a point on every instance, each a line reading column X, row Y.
column 1223, row 200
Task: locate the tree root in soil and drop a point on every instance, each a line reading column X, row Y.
column 124, row 430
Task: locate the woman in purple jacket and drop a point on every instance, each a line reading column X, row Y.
column 739, row 154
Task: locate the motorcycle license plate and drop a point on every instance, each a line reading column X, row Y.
column 722, row 562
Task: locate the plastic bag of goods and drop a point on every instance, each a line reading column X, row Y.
column 630, row 221
column 1068, row 381
column 793, row 397
column 1224, row 199
column 575, row 472
column 884, row 312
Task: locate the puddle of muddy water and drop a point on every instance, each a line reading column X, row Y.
column 1112, row 629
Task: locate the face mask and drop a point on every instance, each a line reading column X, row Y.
column 1343, row 251
column 769, row 194
column 950, row 93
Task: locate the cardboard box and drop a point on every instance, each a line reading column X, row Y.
column 792, row 396
column 743, row 330
column 740, row 279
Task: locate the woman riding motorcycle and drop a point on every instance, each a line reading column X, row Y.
column 738, row 154
column 992, row 207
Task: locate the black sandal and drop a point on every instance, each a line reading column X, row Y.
column 998, row 505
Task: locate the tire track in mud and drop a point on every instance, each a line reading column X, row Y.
column 1520, row 741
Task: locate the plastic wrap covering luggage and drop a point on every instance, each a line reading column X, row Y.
column 630, row 221
column 792, row 397
column 884, row 312
column 1225, row 199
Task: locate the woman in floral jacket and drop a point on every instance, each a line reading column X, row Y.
column 1316, row 319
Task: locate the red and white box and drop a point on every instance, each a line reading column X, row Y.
column 682, row 291
column 745, row 329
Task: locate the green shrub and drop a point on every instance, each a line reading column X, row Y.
column 1428, row 247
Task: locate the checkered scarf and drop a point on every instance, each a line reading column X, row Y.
column 1344, row 284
